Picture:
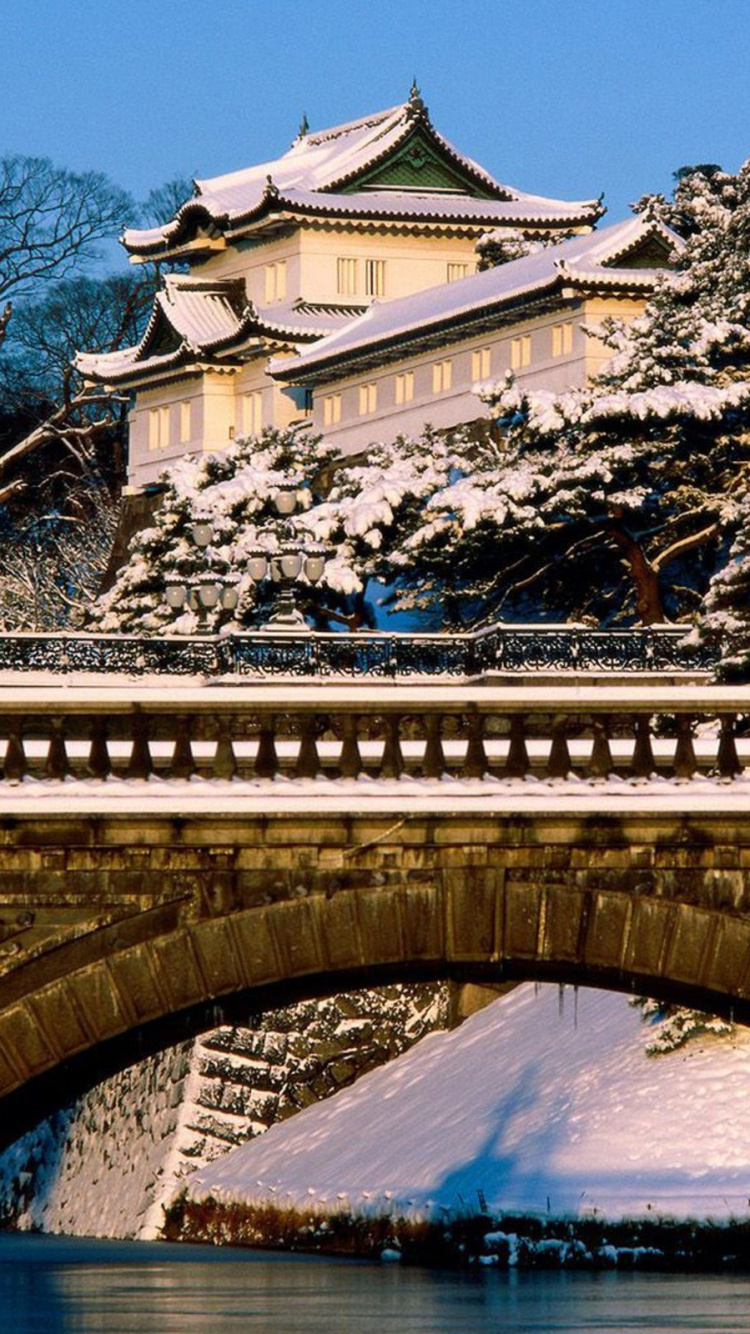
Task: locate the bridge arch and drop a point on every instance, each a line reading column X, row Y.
column 126, row 931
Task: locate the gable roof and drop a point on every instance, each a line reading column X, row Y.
column 196, row 322
column 335, row 172
column 388, row 328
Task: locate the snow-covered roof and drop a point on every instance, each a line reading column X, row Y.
column 195, row 319
column 595, row 260
column 314, row 175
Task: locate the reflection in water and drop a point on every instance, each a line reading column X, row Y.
column 68, row 1286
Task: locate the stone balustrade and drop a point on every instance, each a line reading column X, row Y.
column 258, row 733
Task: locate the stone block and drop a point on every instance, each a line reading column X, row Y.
column 176, row 969
column 58, row 1018
column 296, row 931
column 474, row 913
column 522, row 917
column 726, row 964
column 726, row 890
column 219, row 963
column 422, row 921
column 260, row 959
column 340, row 932
column 607, row 929
column 649, row 926
column 689, row 940
column 19, row 1033
column 101, row 1001
column 379, row 923
column 563, row 921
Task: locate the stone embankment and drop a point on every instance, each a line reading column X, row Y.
column 107, row 1165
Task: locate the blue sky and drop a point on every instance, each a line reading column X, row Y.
column 565, row 99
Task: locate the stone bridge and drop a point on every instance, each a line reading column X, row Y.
column 173, row 855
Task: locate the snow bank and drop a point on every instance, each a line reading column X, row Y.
column 529, row 1106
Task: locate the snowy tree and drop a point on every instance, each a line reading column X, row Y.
column 52, row 561
column 234, row 492
column 725, row 622
column 643, row 472
column 360, row 510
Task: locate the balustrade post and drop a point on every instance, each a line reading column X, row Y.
column 727, row 759
column 685, row 763
column 225, row 760
column 392, row 763
column 517, row 764
column 15, row 767
column 99, row 763
column 308, row 760
column 558, row 763
column 433, row 760
column 643, row 755
column 141, row 764
column 350, row 761
column 475, row 764
column 57, row 765
column 600, row 761
column 266, row 759
column 183, row 761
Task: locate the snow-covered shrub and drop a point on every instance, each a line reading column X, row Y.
column 672, row 1026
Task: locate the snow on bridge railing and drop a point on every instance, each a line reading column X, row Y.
column 384, row 731
column 503, row 649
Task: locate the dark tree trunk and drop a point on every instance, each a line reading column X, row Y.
column 645, row 577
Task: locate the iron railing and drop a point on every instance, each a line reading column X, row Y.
column 500, row 649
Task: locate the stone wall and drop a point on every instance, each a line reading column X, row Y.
column 107, row 1164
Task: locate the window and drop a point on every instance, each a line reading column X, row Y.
column 346, row 277
column 375, row 277
column 562, row 339
column 520, row 352
column 158, row 428
column 405, row 387
column 480, row 363
column 368, row 398
column 185, row 429
column 331, row 409
column 276, row 281
column 442, row 376
column 456, row 271
column 252, row 413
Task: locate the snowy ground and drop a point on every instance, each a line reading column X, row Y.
column 539, row 1107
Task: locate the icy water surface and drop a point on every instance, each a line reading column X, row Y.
column 56, row 1285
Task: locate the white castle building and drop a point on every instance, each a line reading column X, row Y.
column 338, row 285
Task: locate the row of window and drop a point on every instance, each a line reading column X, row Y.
column 159, row 426
column 442, row 379
column 348, row 276
column 251, row 404
column 160, row 421
column 442, row 373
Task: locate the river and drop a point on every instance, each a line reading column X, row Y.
column 60, row 1285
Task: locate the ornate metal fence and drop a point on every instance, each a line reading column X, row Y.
column 500, row 649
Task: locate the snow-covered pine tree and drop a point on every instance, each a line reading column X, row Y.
column 361, row 509
column 233, row 491
column 725, row 622
column 639, row 477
